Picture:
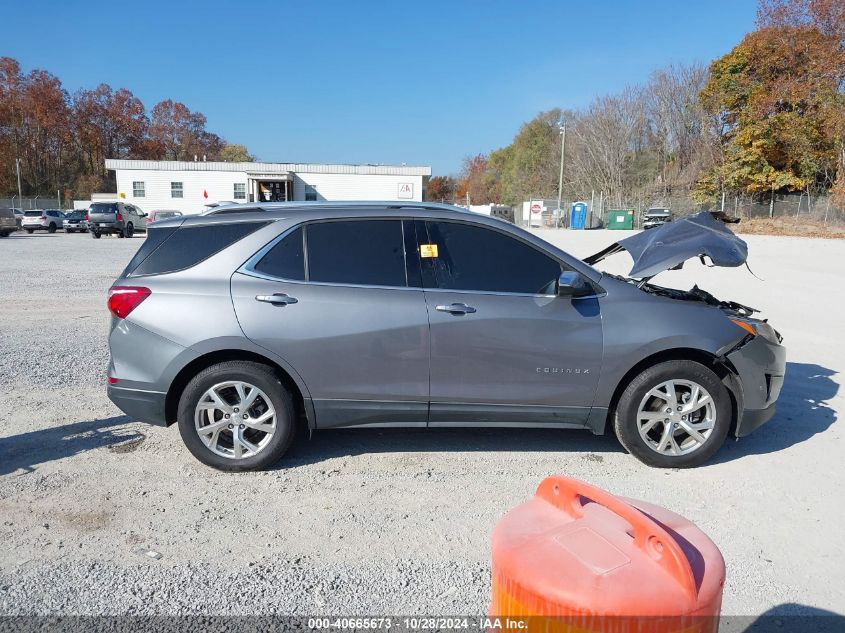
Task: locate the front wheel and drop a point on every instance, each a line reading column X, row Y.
column 236, row 416
column 130, row 230
column 674, row 414
column 30, row 231
column 95, row 235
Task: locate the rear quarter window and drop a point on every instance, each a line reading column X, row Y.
column 177, row 248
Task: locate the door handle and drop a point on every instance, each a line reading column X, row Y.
column 278, row 299
column 456, row 309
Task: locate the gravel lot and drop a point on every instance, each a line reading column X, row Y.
column 378, row 521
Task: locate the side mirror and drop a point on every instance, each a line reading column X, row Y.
column 572, row 284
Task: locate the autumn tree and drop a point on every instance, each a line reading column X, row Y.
column 109, row 124
column 441, row 189
column 180, row 134
column 477, row 180
column 776, row 99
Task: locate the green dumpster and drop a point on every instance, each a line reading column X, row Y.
column 620, row 219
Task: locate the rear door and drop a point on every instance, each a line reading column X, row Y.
column 334, row 299
column 505, row 349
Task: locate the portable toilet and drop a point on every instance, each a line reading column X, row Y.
column 620, row 219
column 578, row 215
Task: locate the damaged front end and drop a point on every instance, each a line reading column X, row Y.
column 754, row 366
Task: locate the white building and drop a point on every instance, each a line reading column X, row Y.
column 188, row 186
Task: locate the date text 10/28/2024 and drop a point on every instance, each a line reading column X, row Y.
column 420, row 623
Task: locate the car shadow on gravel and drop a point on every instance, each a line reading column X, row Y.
column 803, row 410
column 330, row 443
column 27, row 450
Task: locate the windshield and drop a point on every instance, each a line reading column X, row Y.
column 32, row 214
column 104, row 207
column 161, row 215
column 76, row 215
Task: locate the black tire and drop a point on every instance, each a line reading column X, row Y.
column 30, row 231
column 130, row 230
column 51, row 228
column 95, row 235
column 625, row 420
column 256, row 374
column 4, row 234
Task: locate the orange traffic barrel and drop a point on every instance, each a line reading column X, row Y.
column 577, row 558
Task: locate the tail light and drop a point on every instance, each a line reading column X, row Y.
column 120, row 217
column 43, row 217
column 124, row 299
column 86, row 217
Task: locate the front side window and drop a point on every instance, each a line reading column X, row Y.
column 137, row 189
column 240, row 191
column 467, row 257
column 176, row 190
column 286, row 260
column 360, row 252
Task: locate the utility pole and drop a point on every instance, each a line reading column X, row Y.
column 18, row 166
column 562, row 127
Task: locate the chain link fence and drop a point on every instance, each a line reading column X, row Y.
column 796, row 207
column 33, row 202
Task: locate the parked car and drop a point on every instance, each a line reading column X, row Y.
column 237, row 325
column 117, row 218
column 656, row 217
column 161, row 214
column 74, row 222
column 18, row 216
column 8, row 224
column 49, row 220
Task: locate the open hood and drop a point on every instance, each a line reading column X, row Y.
column 667, row 247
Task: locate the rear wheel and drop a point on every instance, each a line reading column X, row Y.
column 95, row 235
column 51, row 228
column 30, row 231
column 236, row 416
column 4, row 234
column 675, row 414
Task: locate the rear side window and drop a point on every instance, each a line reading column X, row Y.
column 188, row 246
column 476, row 258
column 286, row 260
column 361, row 252
column 155, row 238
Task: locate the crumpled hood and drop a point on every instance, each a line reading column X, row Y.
column 668, row 246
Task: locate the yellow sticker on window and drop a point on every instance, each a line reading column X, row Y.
column 428, row 250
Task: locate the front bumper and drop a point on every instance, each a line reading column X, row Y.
column 760, row 367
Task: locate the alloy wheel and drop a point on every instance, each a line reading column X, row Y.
column 235, row 419
column 676, row 417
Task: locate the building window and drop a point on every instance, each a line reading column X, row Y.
column 137, row 189
column 240, row 191
column 310, row 193
column 176, row 190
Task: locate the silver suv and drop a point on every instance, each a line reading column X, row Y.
column 49, row 220
column 239, row 324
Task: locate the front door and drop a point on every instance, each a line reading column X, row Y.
column 505, row 350
column 344, row 317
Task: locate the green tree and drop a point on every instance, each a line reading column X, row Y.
column 232, row 153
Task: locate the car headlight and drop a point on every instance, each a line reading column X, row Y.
column 759, row 328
